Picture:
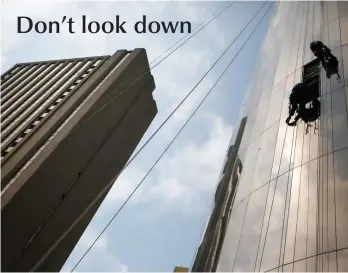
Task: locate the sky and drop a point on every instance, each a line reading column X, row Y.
column 162, row 224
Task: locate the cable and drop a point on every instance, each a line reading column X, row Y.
column 111, row 183
column 186, row 35
column 169, row 145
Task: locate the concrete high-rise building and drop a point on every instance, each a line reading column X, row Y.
column 67, row 128
column 290, row 208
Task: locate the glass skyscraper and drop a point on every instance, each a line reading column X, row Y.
column 290, row 208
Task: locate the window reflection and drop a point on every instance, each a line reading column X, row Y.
column 331, row 210
column 332, row 10
column 271, row 254
column 300, row 266
column 301, row 228
column 288, row 267
column 345, row 62
column 339, row 119
column 334, row 84
column 312, row 225
column 341, row 193
column 247, row 249
column 344, row 28
column 229, row 248
column 245, row 184
column 292, row 221
column 342, row 260
column 334, row 34
column 275, row 105
column 267, row 213
column 265, row 157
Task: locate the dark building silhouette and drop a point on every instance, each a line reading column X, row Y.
column 67, row 128
column 210, row 248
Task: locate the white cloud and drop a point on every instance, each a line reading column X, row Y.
column 106, row 262
column 182, row 178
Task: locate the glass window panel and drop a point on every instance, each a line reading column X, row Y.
column 323, row 192
column 287, row 150
column 246, row 180
column 343, row 8
column 313, row 145
column 298, row 24
column 275, row 105
column 345, row 63
column 247, row 134
column 279, row 149
column 328, row 118
column 331, row 211
column 306, row 144
column 287, row 91
column 301, row 48
column 271, row 253
column 325, row 34
column 293, row 58
column 229, row 248
column 332, row 10
column 334, row 85
column 342, row 260
column 347, row 98
column 247, row 248
column 344, row 29
column 300, row 266
column 288, row 267
column 312, row 225
column 323, row 263
column 339, row 119
column 265, row 157
column 323, row 127
column 267, row 213
column 301, row 229
column 309, row 37
column 286, row 218
column 292, row 221
column 332, row 261
column 341, row 193
column 334, row 34
column 261, row 116
column 311, row 264
column 317, row 17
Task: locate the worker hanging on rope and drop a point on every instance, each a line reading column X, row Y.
column 329, row 61
column 299, row 97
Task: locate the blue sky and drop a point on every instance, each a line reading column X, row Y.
column 162, row 225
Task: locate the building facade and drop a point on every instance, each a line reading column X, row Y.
column 290, row 211
column 68, row 127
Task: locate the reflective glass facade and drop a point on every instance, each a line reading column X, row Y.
column 290, row 211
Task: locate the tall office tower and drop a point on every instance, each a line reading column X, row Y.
column 210, row 247
column 290, row 208
column 67, row 128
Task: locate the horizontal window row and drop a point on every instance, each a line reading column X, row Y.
column 58, row 98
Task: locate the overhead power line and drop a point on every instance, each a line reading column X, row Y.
column 110, row 184
column 172, row 141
